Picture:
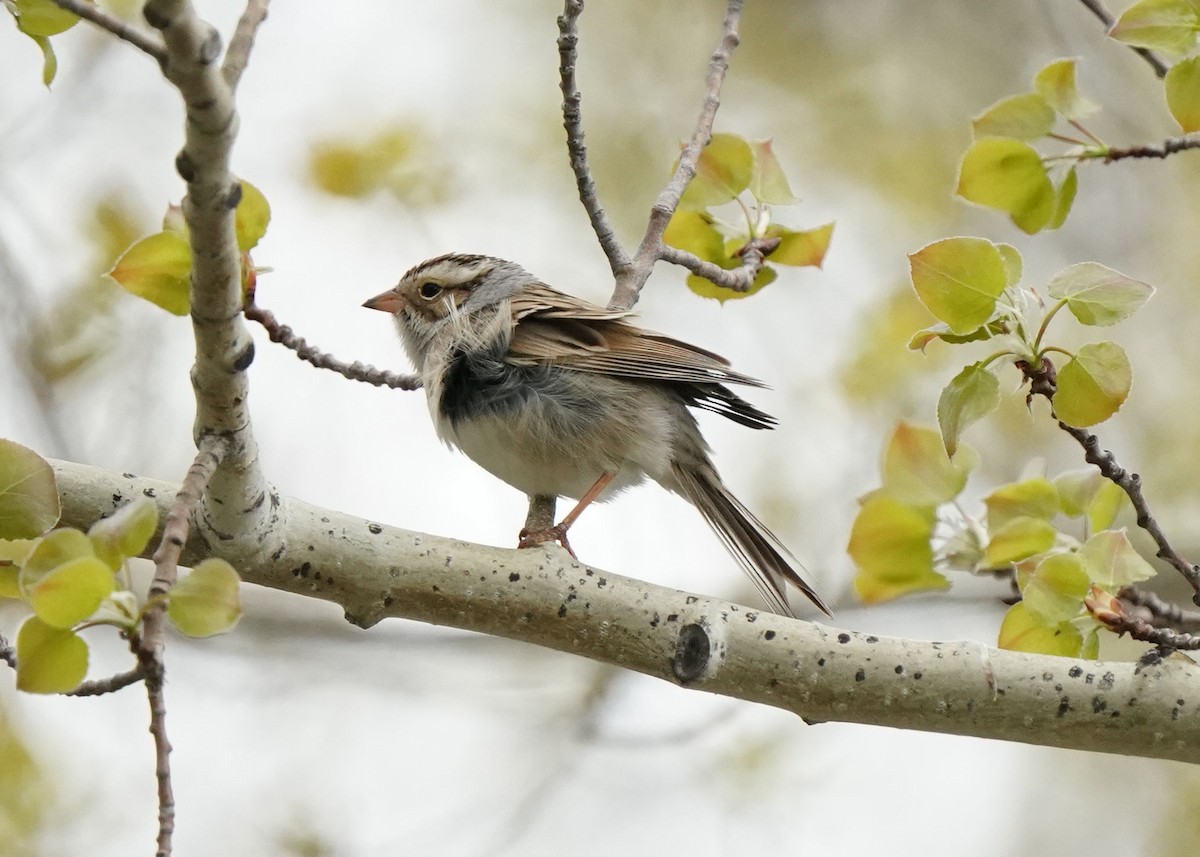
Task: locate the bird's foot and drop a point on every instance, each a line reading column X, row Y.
column 529, row 538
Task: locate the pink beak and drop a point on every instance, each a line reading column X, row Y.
column 389, row 301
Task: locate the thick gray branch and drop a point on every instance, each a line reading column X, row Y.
column 820, row 673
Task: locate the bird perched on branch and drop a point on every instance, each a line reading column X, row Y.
column 562, row 398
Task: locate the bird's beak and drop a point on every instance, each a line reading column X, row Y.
column 389, row 301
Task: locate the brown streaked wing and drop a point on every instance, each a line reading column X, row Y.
column 552, row 326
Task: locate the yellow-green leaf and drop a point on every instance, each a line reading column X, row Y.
column 206, row 601
column 1018, row 539
column 1008, row 174
column 52, row 550
column 251, row 217
column 49, row 660
column 1183, row 93
column 1093, row 385
column 805, row 247
column 767, row 181
column 1023, row 117
column 921, row 338
column 1110, row 560
column 124, row 533
column 1098, row 295
column 1056, row 588
column 1161, row 25
column 917, row 471
column 890, row 544
column 28, row 493
column 43, row 17
column 1064, row 198
column 723, row 171
column 959, row 279
column 1024, row 631
column 1036, row 498
column 706, row 289
column 1056, row 83
column 159, row 269
column 70, row 592
column 970, row 396
column 9, row 585
column 694, row 232
column 1013, row 263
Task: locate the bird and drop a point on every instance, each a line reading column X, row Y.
column 559, row 397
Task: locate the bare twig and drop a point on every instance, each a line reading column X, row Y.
column 355, row 371
column 1160, row 613
column 7, row 653
column 141, row 39
column 1169, row 147
column 632, row 278
column 1097, row 9
column 1115, row 616
column 109, row 685
column 737, row 279
column 149, row 646
column 238, row 52
column 568, row 40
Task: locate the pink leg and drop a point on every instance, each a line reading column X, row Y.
column 558, row 533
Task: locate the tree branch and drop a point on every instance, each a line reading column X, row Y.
column 1169, row 147
column 140, row 39
column 568, row 40
column 820, row 673
column 355, row 371
column 238, row 53
column 1097, row 9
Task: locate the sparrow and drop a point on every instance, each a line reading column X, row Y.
column 559, row 397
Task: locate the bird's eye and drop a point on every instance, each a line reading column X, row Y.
column 429, row 291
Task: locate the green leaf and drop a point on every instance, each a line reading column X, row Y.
column 1097, row 295
column 1110, row 560
column 1007, row 174
column 159, row 269
column 767, row 181
column 1093, row 385
column 917, row 471
column 1018, row 539
column 43, row 18
column 28, row 493
column 805, row 247
column 49, row 660
column 71, row 592
column 1056, row 83
column 1064, row 198
column 705, row 289
column 1024, row 631
column 1056, row 588
column 207, row 601
column 969, row 397
column 958, row 280
column 251, row 217
column 694, row 232
column 922, row 338
column 1023, row 117
column 890, row 544
column 1183, row 93
column 1036, row 498
column 124, row 533
column 9, row 585
column 723, row 171
column 49, row 59
column 1160, row 25
column 1012, row 264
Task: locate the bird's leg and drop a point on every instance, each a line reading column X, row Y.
column 541, row 512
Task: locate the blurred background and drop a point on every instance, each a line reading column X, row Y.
column 385, row 133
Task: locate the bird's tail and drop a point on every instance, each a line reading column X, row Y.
column 769, row 564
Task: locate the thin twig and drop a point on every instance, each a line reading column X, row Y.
column 149, row 646
column 1043, row 382
column 355, row 371
column 1097, row 8
column 1169, row 147
column 1160, row 613
column 238, row 52
column 632, row 278
column 111, row 684
column 568, row 41
column 738, row 279
column 1115, row 616
column 8, row 654
column 142, row 39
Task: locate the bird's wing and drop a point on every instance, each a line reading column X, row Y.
column 552, row 327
